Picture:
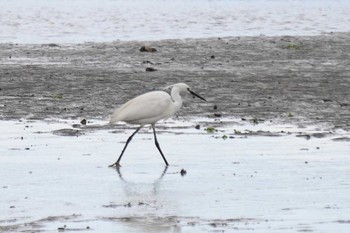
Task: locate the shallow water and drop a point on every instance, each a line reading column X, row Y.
column 279, row 183
column 65, row 21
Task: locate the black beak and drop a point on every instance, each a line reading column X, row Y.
column 194, row 94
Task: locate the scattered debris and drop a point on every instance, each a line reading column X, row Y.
column 211, row 129
column 113, row 205
column 306, row 136
column 57, row 96
column 65, row 228
column 67, row 132
column 76, row 126
column 147, row 62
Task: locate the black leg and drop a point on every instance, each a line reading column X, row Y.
column 116, row 164
column 157, row 145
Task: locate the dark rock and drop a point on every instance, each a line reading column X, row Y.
column 150, row 69
column 147, row 49
column 147, row 62
column 52, row 45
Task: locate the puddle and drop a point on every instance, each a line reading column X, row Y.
column 251, row 181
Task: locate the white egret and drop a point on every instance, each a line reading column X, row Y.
column 149, row 108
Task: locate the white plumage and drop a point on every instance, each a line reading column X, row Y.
column 145, row 109
column 149, row 108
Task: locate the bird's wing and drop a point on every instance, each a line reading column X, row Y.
column 152, row 105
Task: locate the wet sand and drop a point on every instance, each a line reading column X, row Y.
column 284, row 79
column 245, row 182
column 268, row 152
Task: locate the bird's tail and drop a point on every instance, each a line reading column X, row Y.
column 114, row 119
column 116, row 115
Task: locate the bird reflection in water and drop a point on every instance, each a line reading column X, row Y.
column 147, row 209
column 133, row 188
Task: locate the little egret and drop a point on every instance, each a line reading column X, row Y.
column 149, row 108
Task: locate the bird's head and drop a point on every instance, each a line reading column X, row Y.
column 183, row 87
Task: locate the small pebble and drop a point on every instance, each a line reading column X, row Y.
column 183, row 172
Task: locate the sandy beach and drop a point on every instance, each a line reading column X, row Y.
column 274, row 160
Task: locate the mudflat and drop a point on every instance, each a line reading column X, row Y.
column 268, row 152
column 286, row 79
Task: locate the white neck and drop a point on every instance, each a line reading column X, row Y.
column 175, row 95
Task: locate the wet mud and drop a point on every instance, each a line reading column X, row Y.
column 234, row 177
column 290, row 79
column 268, row 152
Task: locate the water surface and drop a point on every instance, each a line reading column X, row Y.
column 64, row 21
